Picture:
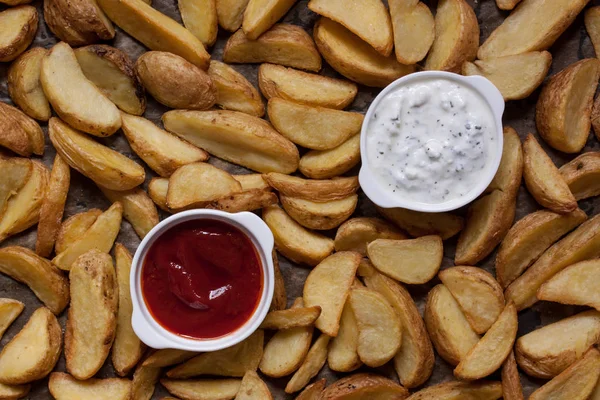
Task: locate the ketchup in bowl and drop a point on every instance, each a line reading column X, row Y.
column 202, row 279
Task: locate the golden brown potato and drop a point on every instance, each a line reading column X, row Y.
column 487, row 390
column 64, row 387
column 312, row 189
column 20, row 133
column 319, row 216
column 9, row 311
column 252, row 181
column 293, row 318
column 592, row 25
column 16, row 173
column 581, row 174
column 260, row 15
column 34, row 351
column 253, row 388
column 312, row 364
column 418, row 224
column 305, row 88
column 510, row 172
column 200, row 18
column 511, row 381
column 356, row 233
column 364, row 386
column 234, row 92
column 74, row 227
column 574, row 285
column 529, row 238
column 144, row 382
column 24, row 84
column 157, row 190
column 230, row 13
column 565, row 105
column 222, row 389
column 18, row 26
column 14, row 392
column 77, row 22
column 313, row 391
column 236, row 137
column 113, row 72
column 414, row 30
column 354, row 58
column 248, row 200
column 516, row 76
column 168, row 357
column 342, row 355
column 507, row 5
column 279, row 293
column 138, row 208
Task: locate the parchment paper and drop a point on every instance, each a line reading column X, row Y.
column 574, row 44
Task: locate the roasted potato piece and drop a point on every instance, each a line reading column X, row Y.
column 64, row 387
column 100, row 236
column 364, row 386
column 418, row 224
column 231, row 361
column 234, row 92
column 155, row 30
column 312, row 364
column 484, row 390
column 356, row 233
column 75, row 98
column 592, row 25
column 200, row 18
column 18, row 27
column 113, row 72
column 144, row 382
column 313, row 190
column 157, row 190
column 448, row 327
column 24, row 84
column 581, row 244
column 488, row 222
column 78, row 22
column 252, row 181
column 533, row 26
column 324, row 164
column 328, row 285
column 279, row 292
column 74, row 227
column 231, row 13
column 507, row 4
column 236, row 137
column 167, row 357
column 565, row 105
column 20, row 133
column 248, row 200
column 292, row 318
column 212, row 389
column 510, row 172
column 477, row 293
column 305, row 88
column 16, row 173
column 14, row 392
column 253, row 388
column 313, row 391
column 53, row 207
column 260, row 15
column 343, row 350
column 574, row 285
column 511, row 382
column 9, row 311
column 354, row 58
column 414, row 30
column 34, row 351
column 581, row 174
column 293, row 240
column 138, row 208
column 319, row 216
column 92, row 319
column 529, row 238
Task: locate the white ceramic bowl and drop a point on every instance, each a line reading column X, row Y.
column 368, row 180
column 152, row 333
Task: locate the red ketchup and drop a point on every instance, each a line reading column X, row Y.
column 202, row 279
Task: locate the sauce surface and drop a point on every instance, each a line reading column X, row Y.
column 202, row 279
column 430, row 140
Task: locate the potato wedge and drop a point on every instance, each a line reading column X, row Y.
column 287, row 349
column 507, row 4
column 478, row 294
column 200, row 18
column 319, row 216
column 575, row 383
column 208, row 389
column 34, row 351
column 564, row 107
column 343, row 350
column 356, row 233
column 379, row 327
column 324, row 164
column 20, row 133
column 364, row 386
column 294, row 241
column 313, row 391
column 18, row 27
column 328, row 285
column 144, row 382
column 581, row 174
column 234, row 92
column 231, row 361
column 448, row 327
column 456, row 36
column 24, row 84
column 23, row 209
column 253, row 388
column 167, row 357
column 413, row 261
column 355, row 59
column 574, row 285
column 75, row 98
column 101, row 164
column 77, row 22
column 484, row 390
column 596, row 393
column 252, row 181
column 488, row 222
column 279, row 292
column 231, row 13
column 283, row 44
column 293, row 318
column 92, row 319
column 312, row 364
column 414, row 30
column 592, row 25
column 16, row 173
column 64, row 387
column 236, row 137
column 127, row 348
column 533, row 26
column 14, row 392
column 155, row 30
column 511, row 382
column 53, row 207
column 249, row 200
column 367, row 19
column 418, row 224
column 313, row 190
column 113, row 72
column 516, row 76
column 138, row 208
column 157, row 190
column 261, row 15
column 305, row 88
column 313, row 127
column 510, row 172
column 9, row 311
column 581, row 244
column 74, row 227
column 100, row 236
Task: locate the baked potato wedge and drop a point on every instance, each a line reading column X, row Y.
column 248, row 200
column 279, row 292
column 516, row 76
column 356, row 233
column 167, row 357
column 64, row 387
column 24, row 85
column 14, row 392
column 283, row 44
column 364, row 386
column 230, row 13
column 313, row 391
column 312, row 364
column 414, row 30
column 294, row 317
column 261, row 15
column 234, row 92
column 488, row 390
column 311, row 189
column 18, row 27
column 200, row 18
column 34, row 351
column 144, row 382
column 324, row 164
column 564, row 108
column 592, row 25
column 581, row 174
column 510, row 172
column 252, row 181
column 236, row 137
column 225, row 389
column 16, row 173
column 319, row 216
column 511, row 381
column 20, row 133
column 77, row 22
column 74, row 227
column 342, row 355
column 9, row 311
column 507, row 5
column 418, row 224
column 157, row 190
column 355, row 59
column 138, row 208
column 253, row 388
column 574, row 285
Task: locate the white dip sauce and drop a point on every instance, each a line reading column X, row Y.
column 430, row 141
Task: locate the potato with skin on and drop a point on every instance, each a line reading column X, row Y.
column 230, row 13
column 279, row 292
column 484, row 390
column 157, row 190
column 138, row 208
column 319, row 216
column 284, row 44
column 516, row 76
column 9, row 311
column 144, row 382
column 261, row 15
column 167, row 357
column 14, row 392
column 248, row 200
column 16, row 173
column 414, row 30
column 324, row 164
column 507, row 4
column 18, row 26
column 417, row 223
column 574, row 285
column 253, row 388
column 342, row 355
column 234, row 92
column 200, row 18
column 312, row 364
column 219, row 389
column 295, row 317
column 364, row 386
column 582, row 175
column 20, row 133
column 24, row 85
column 64, row 387
column 252, row 181
column 313, row 391
column 319, row 191
column 356, row 233
column 456, row 36
column 563, row 110
column 510, row 172
column 78, row 22
column 511, row 382
column 74, row 227
column 592, row 25
column 355, row 59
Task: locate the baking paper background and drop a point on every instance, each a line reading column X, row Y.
column 574, row 44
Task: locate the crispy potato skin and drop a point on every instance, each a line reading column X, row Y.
column 418, row 224
column 365, row 386
column 20, row 133
column 313, row 190
column 21, row 35
column 77, row 22
column 63, row 386
column 24, row 84
column 582, row 174
column 511, row 382
column 313, row 391
column 488, row 390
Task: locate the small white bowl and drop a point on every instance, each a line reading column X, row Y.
column 367, row 178
column 152, row 333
